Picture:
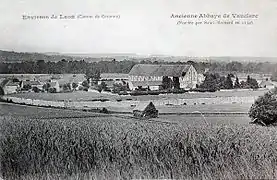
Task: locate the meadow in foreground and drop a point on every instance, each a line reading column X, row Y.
column 117, row 149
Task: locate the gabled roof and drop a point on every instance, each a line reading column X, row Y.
column 143, row 105
column 53, row 83
column 266, row 83
column 32, row 83
column 4, row 82
column 114, row 76
column 10, row 83
column 71, row 78
column 159, row 70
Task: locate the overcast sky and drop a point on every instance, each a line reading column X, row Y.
column 144, row 27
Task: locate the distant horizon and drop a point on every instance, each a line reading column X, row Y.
column 127, row 54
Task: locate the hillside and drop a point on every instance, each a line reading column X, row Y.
column 11, row 57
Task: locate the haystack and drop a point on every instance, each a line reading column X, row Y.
column 146, row 110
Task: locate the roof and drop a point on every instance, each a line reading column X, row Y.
column 10, row 83
column 4, row 82
column 32, row 83
column 108, row 83
column 114, row 76
column 266, row 83
column 71, row 78
column 53, row 83
column 159, row 70
column 143, row 105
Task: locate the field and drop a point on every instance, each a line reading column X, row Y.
column 183, row 109
column 41, row 143
column 89, row 96
column 72, row 96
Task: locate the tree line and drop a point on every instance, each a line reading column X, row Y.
column 113, row 66
column 216, row 82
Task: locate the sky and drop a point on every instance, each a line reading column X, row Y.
column 145, row 27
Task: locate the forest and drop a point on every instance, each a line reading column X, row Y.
column 22, row 63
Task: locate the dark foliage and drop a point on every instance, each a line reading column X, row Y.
column 27, row 87
column 264, row 108
column 237, row 83
column 1, row 91
column 52, row 90
column 36, row 89
column 167, row 83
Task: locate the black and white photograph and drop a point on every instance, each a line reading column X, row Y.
column 138, row 89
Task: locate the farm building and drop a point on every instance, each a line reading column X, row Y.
column 243, row 76
column 55, row 85
column 31, row 84
column 151, row 76
column 145, row 109
column 113, row 78
column 267, row 84
column 11, row 87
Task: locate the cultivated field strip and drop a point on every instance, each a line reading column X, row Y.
column 111, row 148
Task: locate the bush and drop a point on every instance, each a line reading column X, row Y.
column 264, row 108
column 36, row 89
column 179, row 91
column 138, row 93
column 204, row 90
column 104, row 110
column 52, row 90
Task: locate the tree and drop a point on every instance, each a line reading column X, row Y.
column 15, row 80
column 52, row 90
column 228, row 82
column 264, row 109
column 85, row 84
column 103, row 86
column 237, row 84
column 46, row 86
column 252, row 83
column 35, row 89
column 67, row 87
column 1, row 91
column 117, row 87
column 166, row 82
column 176, row 83
column 27, row 87
column 211, row 82
column 92, row 76
column 74, row 85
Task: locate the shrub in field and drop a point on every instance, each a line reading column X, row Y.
column 264, row 109
column 120, row 149
column 104, row 110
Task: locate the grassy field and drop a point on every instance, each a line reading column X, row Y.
column 88, row 96
column 72, row 96
column 110, row 147
column 219, row 108
column 116, row 149
column 209, row 120
column 32, row 112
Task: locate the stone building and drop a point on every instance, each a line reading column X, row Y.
column 151, row 76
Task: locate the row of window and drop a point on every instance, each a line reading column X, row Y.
column 155, row 78
column 145, row 78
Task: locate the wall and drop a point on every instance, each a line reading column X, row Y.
column 10, row 89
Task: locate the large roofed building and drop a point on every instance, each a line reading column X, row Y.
column 151, row 76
